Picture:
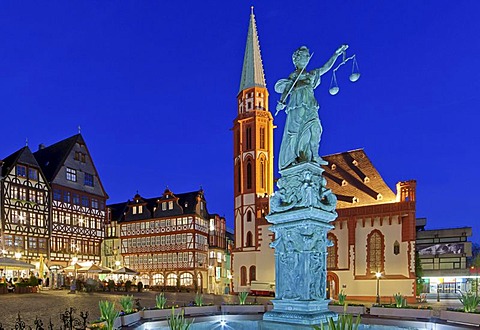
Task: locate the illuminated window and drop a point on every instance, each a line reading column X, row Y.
column 158, row 279
column 253, row 273
column 71, row 174
column 243, row 276
column 262, row 137
column 171, row 278
column 170, row 205
column 186, row 279
column 332, row 251
column 375, row 252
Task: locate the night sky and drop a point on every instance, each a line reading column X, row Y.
column 153, row 86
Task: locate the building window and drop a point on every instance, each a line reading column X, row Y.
column 88, row 180
column 94, row 203
column 239, row 179
column 243, row 276
column 186, row 279
column 396, row 248
column 249, row 175
column 249, row 240
column 170, row 205
column 262, row 137
column 164, row 206
column 248, row 138
column 249, row 216
column 57, row 194
column 375, row 251
column 76, row 199
column 237, row 141
column 85, row 202
column 71, row 174
column 21, row 171
column 253, row 274
column 33, row 174
column 171, row 278
column 66, row 196
column 262, row 173
column 332, row 251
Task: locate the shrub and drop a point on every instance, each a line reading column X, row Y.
column 242, row 297
column 198, row 299
column 469, row 301
column 178, row 322
column 127, row 303
column 108, row 313
column 400, row 301
column 33, row 281
column 160, row 300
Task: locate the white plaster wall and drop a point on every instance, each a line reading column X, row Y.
column 266, row 258
column 249, row 199
column 342, row 242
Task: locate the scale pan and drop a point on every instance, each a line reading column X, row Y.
column 334, row 90
column 354, row 77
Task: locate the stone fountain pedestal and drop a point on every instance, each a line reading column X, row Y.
column 301, row 212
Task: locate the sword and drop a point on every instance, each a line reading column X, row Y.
column 293, row 85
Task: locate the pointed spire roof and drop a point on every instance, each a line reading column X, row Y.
column 252, row 72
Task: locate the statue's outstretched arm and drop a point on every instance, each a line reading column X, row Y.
column 327, row 66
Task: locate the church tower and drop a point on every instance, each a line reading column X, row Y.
column 253, row 171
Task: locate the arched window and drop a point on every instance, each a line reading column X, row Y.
column 239, row 178
column 249, row 175
column 172, row 279
column 332, row 256
column 243, row 276
column 375, row 251
column 253, row 273
column 396, row 248
column 249, row 240
column 186, row 279
column 249, row 216
column 158, row 279
column 262, row 173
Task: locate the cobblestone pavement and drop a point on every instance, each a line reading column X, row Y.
column 49, row 304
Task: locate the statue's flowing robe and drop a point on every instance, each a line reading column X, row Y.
column 301, row 136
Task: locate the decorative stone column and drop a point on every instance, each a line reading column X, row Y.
column 301, row 212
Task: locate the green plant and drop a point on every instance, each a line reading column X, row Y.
column 33, row 281
column 160, row 300
column 198, row 299
column 108, row 313
column 127, row 303
column 469, row 301
column 400, row 301
column 344, row 322
column 178, row 321
column 341, row 298
column 242, row 297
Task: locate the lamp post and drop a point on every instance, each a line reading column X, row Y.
column 377, row 276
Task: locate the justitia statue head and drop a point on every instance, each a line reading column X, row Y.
column 300, row 57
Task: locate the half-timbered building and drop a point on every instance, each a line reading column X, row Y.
column 165, row 238
column 78, row 201
column 24, row 208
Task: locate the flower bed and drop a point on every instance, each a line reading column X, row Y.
column 195, row 310
column 131, row 318
column 351, row 309
column 460, row 317
column 410, row 313
column 158, row 313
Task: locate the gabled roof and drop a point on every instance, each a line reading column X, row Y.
column 53, row 157
column 252, row 72
column 187, row 202
column 356, row 182
column 23, row 156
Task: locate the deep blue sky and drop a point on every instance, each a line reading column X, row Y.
column 153, row 86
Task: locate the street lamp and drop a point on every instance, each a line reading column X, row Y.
column 378, row 275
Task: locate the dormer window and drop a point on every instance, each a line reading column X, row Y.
column 164, row 206
column 71, row 174
column 21, row 171
column 170, row 205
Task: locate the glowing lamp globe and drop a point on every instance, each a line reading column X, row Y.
column 354, row 77
column 334, row 90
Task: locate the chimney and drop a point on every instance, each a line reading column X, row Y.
column 41, row 146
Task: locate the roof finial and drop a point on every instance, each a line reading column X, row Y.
column 251, row 12
column 26, row 142
column 79, row 130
